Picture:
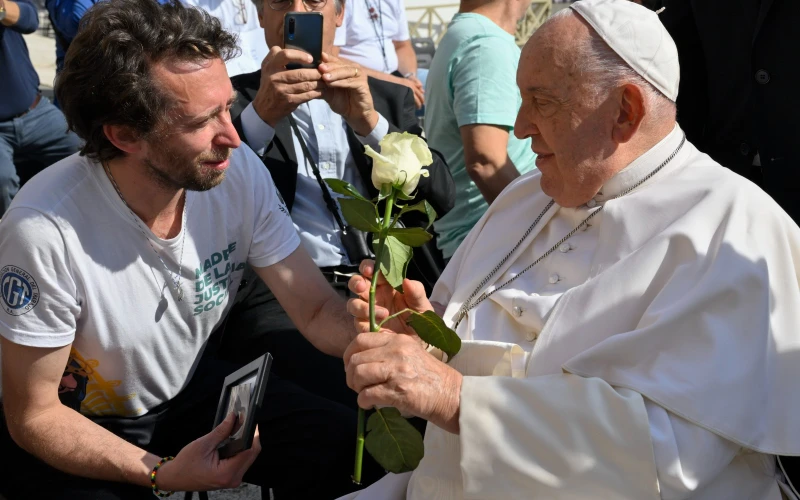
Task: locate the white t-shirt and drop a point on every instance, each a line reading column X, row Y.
column 368, row 29
column 75, row 267
column 241, row 18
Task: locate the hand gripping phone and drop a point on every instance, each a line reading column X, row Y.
column 303, row 31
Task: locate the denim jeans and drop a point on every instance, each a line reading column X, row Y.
column 30, row 143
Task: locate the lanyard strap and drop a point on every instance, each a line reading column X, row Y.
column 326, row 194
column 379, row 36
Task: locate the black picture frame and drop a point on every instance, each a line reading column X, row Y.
column 243, row 391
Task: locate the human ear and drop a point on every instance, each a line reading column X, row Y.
column 630, row 113
column 340, row 14
column 123, row 138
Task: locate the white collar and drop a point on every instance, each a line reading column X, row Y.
column 641, row 166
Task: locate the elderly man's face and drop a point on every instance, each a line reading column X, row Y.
column 272, row 20
column 570, row 129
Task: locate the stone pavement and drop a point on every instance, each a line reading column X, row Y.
column 42, row 49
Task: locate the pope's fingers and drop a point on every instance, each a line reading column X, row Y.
column 376, row 395
column 361, row 326
column 366, row 341
column 359, row 309
column 367, row 267
column 415, row 295
column 359, row 285
column 365, row 374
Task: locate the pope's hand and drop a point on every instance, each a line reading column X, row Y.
column 387, row 300
column 347, row 93
column 387, row 369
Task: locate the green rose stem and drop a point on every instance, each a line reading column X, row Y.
column 386, row 224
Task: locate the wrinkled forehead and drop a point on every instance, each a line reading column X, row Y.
column 550, row 59
column 193, row 86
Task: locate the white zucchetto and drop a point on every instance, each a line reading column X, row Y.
column 637, row 35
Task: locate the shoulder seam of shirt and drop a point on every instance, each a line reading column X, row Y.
column 50, row 219
column 49, row 216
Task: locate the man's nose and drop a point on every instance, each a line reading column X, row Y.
column 298, row 6
column 228, row 137
column 523, row 125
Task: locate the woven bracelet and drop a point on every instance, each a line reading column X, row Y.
column 156, row 491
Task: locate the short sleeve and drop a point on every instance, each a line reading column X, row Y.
column 402, row 24
column 483, row 83
column 39, row 295
column 274, row 235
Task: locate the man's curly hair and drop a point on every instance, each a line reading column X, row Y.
column 106, row 77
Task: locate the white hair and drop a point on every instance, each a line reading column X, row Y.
column 606, row 70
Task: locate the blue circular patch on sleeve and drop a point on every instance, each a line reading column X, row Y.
column 20, row 291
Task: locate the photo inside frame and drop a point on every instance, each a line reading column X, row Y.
column 239, row 402
column 242, row 395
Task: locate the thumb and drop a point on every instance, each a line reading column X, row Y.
column 223, row 430
column 416, row 298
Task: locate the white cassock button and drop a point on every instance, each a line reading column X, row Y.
column 586, row 227
column 564, row 248
column 517, row 310
column 321, row 127
column 591, row 203
column 554, row 278
column 531, row 336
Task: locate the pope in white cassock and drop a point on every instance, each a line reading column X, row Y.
column 630, row 312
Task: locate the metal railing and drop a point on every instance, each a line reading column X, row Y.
column 431, row 21
column 537, row 14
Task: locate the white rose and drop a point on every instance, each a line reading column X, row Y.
column 400, row 161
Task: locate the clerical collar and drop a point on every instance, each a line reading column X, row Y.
column 641, row 166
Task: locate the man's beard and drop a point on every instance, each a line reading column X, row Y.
column 173, row 171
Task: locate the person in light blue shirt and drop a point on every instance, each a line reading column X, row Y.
column 472, row 103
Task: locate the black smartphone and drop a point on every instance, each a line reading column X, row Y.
column 303, row 31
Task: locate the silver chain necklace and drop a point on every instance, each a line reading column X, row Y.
column 469, row 305
column 175, row 278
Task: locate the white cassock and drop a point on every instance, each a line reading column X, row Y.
column 654, row 355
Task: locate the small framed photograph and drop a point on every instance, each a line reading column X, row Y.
column 242, row 395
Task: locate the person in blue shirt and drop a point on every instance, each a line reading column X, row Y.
column 65, row 17
column 33, row 132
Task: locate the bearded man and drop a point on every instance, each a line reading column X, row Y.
column 118, row 265
column 629, row 313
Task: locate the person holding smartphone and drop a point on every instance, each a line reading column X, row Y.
column 309, row 124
